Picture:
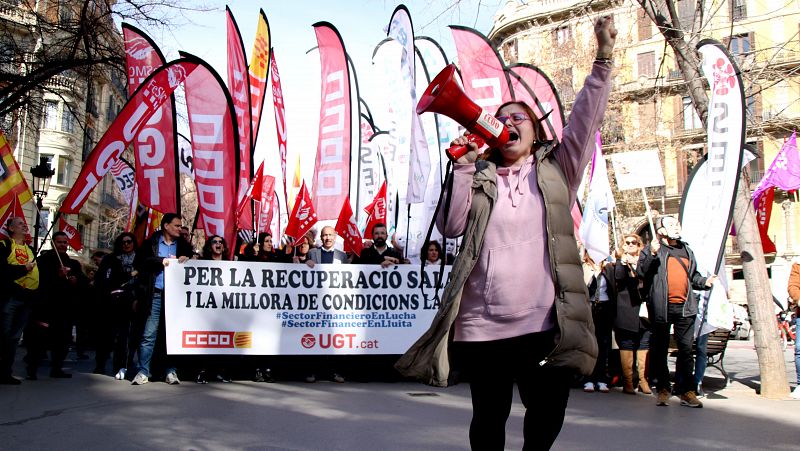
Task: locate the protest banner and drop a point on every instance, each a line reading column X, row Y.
column 247, row 308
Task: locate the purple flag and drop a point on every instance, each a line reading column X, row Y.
column 784, row 172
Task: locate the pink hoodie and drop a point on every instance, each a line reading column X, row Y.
column 510, row 291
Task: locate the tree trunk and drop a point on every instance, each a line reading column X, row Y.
column 771, row 362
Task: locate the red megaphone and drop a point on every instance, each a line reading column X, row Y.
column 445, row 96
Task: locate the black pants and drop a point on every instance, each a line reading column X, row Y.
column 659, row 346
column 492, row 367
column 603, row 318
column 114, row 328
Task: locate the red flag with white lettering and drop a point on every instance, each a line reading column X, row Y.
column 482, row 69
column 332, row 166
column 303, row 216
column 376, row 211
column 156, row 143
column 763, row 213
column 143, row 104
column 73, row 236
column 239, row 87
column 280, row 121
column 347, row 229
column 264, row 199
column 215, row 140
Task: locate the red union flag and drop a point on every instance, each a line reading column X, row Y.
column 280, row 121
column 147, row 99
column 156, row 142
column 346, row 228
column 265, row 197
column 259, row 66
column 482, row 70
column 73, row 236
column 332, row 166
column 763, row 207
column 303, row 216
column 239, row 86
column 376, row 211
column 214, row 137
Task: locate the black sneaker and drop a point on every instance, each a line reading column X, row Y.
column 59, row 374
column 222, row 376
column 201, row 378
column 268, row 376
column 9, row 380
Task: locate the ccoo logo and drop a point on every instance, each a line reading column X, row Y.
column 308, row 341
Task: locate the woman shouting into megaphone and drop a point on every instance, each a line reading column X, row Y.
column 516, row 307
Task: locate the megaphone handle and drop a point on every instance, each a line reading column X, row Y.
column 456, row 152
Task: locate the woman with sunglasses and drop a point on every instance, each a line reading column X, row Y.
column 216, row 249
column 115, row 282
column 631, row 326
column 516, row 301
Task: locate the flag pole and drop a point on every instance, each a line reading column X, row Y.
column 614, row 228
column 649, row 215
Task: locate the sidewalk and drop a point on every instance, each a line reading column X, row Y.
column 96, row 412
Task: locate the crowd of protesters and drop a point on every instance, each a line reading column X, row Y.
column 115, row 304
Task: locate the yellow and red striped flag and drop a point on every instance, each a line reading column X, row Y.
column 12, row 182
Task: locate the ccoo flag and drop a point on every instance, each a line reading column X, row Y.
column 594, row 226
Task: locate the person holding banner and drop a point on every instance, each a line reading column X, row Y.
column 516, row 306
column 153, row 255
column 19, row 280
column 669, row 269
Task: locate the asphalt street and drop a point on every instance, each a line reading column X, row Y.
column 97, row 412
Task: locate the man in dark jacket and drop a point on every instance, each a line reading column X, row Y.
column 669, row 269
column 62, row 287
column 151, row 258
column 19, row 280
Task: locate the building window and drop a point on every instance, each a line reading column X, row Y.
column 64, row 173
column 647, row 64
column 691, row 120
column 88, row 142
column 562, row 35
column 81, row 232
column 738, row 10
column 740, row 44
column 67, row 120
column 564, row 85
column 65, row 13
column 91, row 101
column 111, row 112
column 50, row 115
column 645, row 25
column 47, row 158
column 647, row 119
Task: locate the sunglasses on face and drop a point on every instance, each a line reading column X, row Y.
column 216, row 241
column 514, row 118
column 632, row 242
column 127, row 241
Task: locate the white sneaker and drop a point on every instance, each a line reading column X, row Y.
column 589, row 387
column 172, row 378
column 602, row 387
column 140, row 379
column 120, row 376
column 796, row 393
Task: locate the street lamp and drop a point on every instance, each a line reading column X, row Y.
column 41, row 183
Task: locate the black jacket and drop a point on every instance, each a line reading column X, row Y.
column 629, row 299
column 9, row 273
column 653, row 269
column 149, row 265
column 59, row 297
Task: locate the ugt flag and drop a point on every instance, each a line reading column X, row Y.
column 346, row 228
column 303, row 216
column 594, row 226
